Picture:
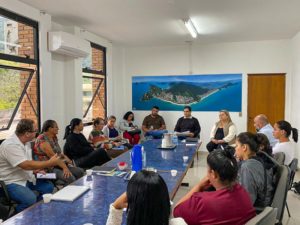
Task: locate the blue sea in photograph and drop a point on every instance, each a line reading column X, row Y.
column 229, row 98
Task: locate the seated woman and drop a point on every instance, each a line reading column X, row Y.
column 229, row 203
column 46, row 146
column 282, row 132
column 79, row 149
column 110, row 131
column 264, row 143
column 253, row 174
column 130, row 129
column 147, row 202
column 97, row 137
column 223, row 132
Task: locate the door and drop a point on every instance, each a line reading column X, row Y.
column 266, row 95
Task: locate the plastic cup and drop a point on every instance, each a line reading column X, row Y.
column 122, row 165
column 47, row 198
column 173, row 173
column 152, row 169
column 185, row 159
column 89, row 172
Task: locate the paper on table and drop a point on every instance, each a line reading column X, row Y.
column 46, row 176
column 185, row 133
column 190, row 144
column 121, row 147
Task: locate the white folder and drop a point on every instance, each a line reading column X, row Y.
column 69, row 193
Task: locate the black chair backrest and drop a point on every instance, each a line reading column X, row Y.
column 281, row 190
column 293, row 168
column 279, row 157
column 4, row 191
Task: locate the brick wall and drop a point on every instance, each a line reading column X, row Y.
column 97, row 64
column 25, row 34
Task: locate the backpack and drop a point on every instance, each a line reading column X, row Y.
column 296, row 187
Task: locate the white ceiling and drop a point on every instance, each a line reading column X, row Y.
column 158, row 22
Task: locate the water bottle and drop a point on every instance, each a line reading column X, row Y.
column 175, row 139
column 136, row 158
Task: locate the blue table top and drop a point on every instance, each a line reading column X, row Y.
column 93, row 206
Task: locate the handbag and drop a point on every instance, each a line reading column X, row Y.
column 135, row 131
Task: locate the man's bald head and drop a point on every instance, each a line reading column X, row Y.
column 260, row 121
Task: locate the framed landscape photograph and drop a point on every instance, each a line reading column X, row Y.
column 201, row 92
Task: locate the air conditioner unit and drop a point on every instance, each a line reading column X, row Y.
column 68, row 44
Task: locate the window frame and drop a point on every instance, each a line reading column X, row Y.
column 91, row 73
column 18, row 59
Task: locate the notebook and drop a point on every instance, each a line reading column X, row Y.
column 46, row 176
column 182, row 134
column 69, row 193
column 121, row 147
column 104, row 169
column 190, row 139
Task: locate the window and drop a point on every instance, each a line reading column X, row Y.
column 19, row 71
column 94, row 84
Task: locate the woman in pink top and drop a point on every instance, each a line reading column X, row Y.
column 227, row 202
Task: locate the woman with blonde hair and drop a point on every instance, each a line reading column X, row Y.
column 223, row 132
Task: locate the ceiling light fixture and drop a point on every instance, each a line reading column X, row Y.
column 191, row 28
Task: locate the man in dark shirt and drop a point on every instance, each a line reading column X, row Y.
column 154, row 124
column 188, row 123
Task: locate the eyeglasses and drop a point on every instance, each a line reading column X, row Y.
column 33, row 131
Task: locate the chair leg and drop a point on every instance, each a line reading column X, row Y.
column 197, row 155
column 287, row 207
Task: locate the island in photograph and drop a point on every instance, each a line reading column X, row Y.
column 202, row 92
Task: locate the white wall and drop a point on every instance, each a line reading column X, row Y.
column 295, row 103
column 242, row 57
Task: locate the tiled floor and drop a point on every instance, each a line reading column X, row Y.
column 199, row 170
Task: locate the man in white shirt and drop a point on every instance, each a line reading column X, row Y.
column 263, row 126
column 16, row 166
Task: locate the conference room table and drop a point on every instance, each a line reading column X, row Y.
column 93, row 206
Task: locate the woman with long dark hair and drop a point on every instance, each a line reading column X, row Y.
column 264, row 143
column 147, row 202
column 46, row 146
column 130, row 129
column 253, row 172
column 79, row 149
column 282, row 132
column 226, row 202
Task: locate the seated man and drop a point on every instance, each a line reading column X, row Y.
column 263, row 126
column 188, row 123
column 153, row 124
column 16, row 166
